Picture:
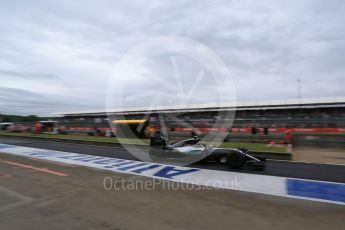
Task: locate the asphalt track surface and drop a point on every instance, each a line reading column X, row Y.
column 72, row 197
column 311, row 171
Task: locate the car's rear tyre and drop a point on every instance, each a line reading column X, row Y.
column 236, row 160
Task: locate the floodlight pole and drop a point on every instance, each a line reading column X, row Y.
column 299, row 88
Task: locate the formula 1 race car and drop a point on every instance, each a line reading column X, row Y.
column 190, row 151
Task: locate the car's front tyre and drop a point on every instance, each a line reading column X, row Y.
column 236, row 159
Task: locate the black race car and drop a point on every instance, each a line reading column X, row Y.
column 190, row 151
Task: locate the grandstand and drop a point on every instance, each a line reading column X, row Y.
column 307, row 115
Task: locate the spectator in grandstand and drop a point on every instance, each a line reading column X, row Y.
column 288, row 136
column 38, row 127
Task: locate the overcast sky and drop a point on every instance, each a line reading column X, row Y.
column 59, row 55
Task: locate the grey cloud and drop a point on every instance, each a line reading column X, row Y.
column 26, row 75
column 74, row 45
column 14, row 100
column 6, row 92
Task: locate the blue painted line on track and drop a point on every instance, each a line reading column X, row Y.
column 316, row 189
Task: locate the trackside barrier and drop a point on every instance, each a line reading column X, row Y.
column 319, row 140
column 271, row 185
